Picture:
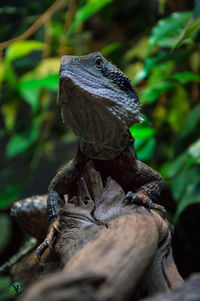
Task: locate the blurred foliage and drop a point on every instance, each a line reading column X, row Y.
column 4, row 284
column 155, row 44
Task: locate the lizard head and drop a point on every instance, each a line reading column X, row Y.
column 99, row 103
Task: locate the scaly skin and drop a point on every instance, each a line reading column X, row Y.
column 99, row 104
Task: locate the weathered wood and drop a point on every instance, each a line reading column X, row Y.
column 187, row 291
column 105, row 250
column 31, row 215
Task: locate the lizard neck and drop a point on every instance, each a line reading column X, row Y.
column 101, row 132
column 107, row 149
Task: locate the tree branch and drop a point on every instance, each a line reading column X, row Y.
column 35, row 26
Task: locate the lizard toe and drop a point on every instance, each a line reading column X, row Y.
column 129, row 198
column 47, row 243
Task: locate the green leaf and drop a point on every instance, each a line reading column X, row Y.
column 175, row 166
column 138, row 50
column 110, row 48
column 35, row 127
column 31, row 96
column 9, row 111
column 188, row 34
column 145, row 141
column 145, row 148
column 185, row 183
column 161, row 62
column 46, row 67
column 141, row 131
column 5, row 224
column 9, row 195
column 1, row 72
column 194, row 62
column 161, row 6
column 149, row 63
column 194, row 150
column 132, row 70
column 17, row 145
column 151, row 93
column 9, row 74
column 185, row 77
column 51, row 82
column 30, row 88
column 160, row 72
column 45, row 75
column 184, row 161
column 169, row 27
column 21, row 48
column 180, row 105
column 86, row 11
column 190, row 123
column 21, row 142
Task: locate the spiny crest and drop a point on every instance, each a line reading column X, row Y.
column 121, row 81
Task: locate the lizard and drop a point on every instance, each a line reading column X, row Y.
column 99, row 104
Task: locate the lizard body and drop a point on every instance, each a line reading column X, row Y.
column 99, row 105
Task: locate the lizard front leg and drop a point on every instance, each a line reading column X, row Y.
column 55, row 200
column 63, row 183
column 148, row 185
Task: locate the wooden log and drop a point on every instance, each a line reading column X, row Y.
column 105, row 250
column 187, row 291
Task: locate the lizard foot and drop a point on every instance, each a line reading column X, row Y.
column 143, row 200
column 52, row 233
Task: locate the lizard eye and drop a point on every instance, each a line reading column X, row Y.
column 98, row 63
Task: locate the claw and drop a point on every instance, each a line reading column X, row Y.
column 149, row 204
column 40, row 250
column 160, row 209
column 143, row 200
column 164, row 212
column 38, row 254
column 56, row 228
column 134, row 198
column 49, row 245
column 53, row 231
column 129, row 198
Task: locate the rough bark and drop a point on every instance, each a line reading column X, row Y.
column 187, row 291
column 106, row 250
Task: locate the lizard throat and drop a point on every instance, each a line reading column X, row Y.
column 101, row 132
column 102, row 151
